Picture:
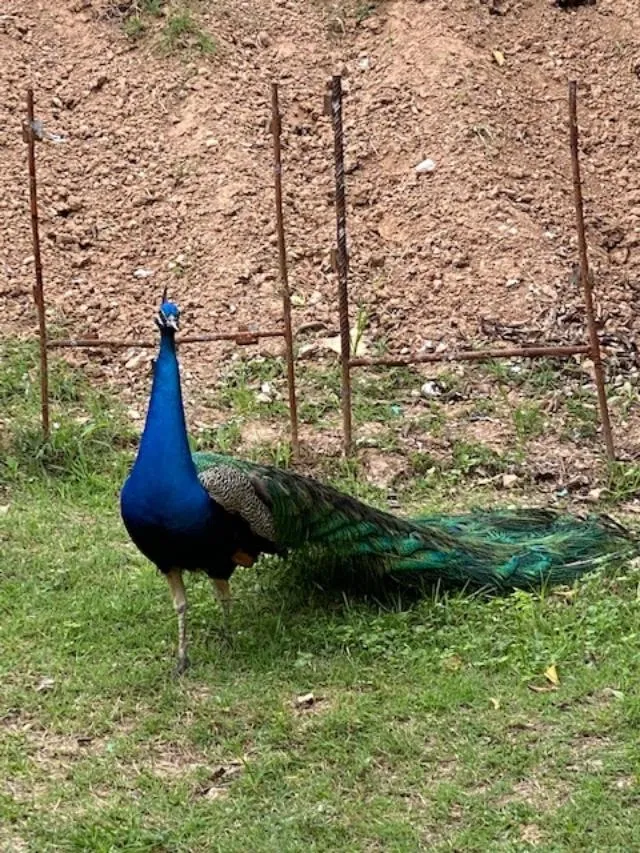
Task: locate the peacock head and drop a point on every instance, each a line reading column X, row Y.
column 168, row 318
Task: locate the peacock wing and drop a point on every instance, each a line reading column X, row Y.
column 294, row 509
column 233, row 489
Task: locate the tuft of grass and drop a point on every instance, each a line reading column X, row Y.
column 138, row 15
column 152, row 7
column 225, row 438
column 471, row 457
column 134, row 27
column 242, row 384
column 484, row 406
column 182, row 31
column 278, row 454
column 365, row 9
column 503, row 371
column 383, row 395
column 582, row 415
column 547, row 374
column 623, row 482
column 529, row 421
column 87, row 429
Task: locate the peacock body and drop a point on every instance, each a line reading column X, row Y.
column 211, row 512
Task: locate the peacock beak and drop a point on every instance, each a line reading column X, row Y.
column 172, row 322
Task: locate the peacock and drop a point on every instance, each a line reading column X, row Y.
column 211, row 512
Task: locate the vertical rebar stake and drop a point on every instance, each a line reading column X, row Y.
column 28, row 133
column 585, row 277
column 284, row 275
column 342, row 260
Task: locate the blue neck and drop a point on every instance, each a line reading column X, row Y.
column 164, row 447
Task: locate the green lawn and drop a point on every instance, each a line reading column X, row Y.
column 432, row 724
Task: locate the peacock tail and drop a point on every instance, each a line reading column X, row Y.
column 501, row 549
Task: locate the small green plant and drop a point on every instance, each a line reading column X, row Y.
column 424, row 464
column 381, row 395
column 183, row 32
column 546, row 374
column 623, row 482
column 222, row 439
column 380, row 347
column 624, row 398
column 582, row 416
column 242, row 388
column 504, row 372
column 361, row 324
column 178, row 268
column 276, row 453
column 484, row 406
column 431, row 423
column 529, row 421
column 152, row 7
column 134, row 27
column 470, row 457
column 364, row 9
column 137, row 15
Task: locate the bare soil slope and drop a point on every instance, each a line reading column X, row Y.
column 167, row 168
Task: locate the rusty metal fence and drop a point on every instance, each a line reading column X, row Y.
column 32, row 131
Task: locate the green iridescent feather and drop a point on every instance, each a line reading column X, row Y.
column 493, row 548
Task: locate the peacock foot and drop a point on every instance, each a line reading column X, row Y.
column 182, row 665
column 220, row 635
column 226, row 637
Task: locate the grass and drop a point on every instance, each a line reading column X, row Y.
column 179, row 31
column 529, row 421
column 138, row 16
column 432, row 723
column 182, row 31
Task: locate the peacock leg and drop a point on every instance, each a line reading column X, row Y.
column 223, row 593
column 174, row 577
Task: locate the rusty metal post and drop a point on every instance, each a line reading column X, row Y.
column 585, row 277
column 342, row 262
column 284, row 275
column 28, row 133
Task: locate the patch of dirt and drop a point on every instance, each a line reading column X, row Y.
column 53, row 755
column 526, row 730
column 588, row 752
column 171, row 761
column 56, row 753
column 491, row 432
column 531, row 834
column 256, row 433
column 538, row 793
column 12, row 843
column 382, row 469
column 306, row 706
column 165, row 177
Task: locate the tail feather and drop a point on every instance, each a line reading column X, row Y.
column 489, row 548
column 499, row 549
